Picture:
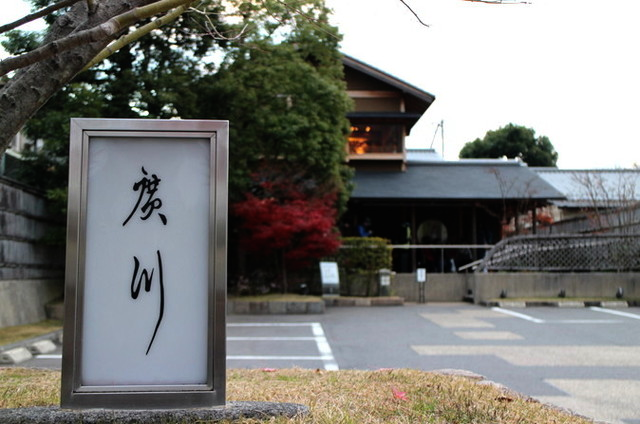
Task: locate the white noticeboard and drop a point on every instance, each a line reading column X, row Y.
column 421, row 275
column 144, row 322
column 329, row 273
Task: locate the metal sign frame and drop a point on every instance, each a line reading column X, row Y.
column 76, row 393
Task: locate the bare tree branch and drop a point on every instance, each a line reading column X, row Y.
column 137, row 34
column 37, row 15
column 25, row 92
column 309, row 19
column 611, row 203
column 213, row 32
column 498, row 1
column 414, row 13
column 105, row 31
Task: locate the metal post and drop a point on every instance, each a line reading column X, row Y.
column 421, row 279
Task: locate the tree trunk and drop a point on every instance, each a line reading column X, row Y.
column 284, row 272
column 31, row 87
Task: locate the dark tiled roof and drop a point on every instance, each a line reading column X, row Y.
column 455, row 180
column 591, row 187
column 405, row 87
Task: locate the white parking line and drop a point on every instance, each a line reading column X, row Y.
column 582, row 321
column 318, row 336
column 280, row 358
column 566, row 321
column 518, row 315
column 330, row 363
column 270, row 324
column 269, row 339
column 326, row 355
column 615, row 312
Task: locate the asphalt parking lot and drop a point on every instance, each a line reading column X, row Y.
column 278, row 345
column 585, row 359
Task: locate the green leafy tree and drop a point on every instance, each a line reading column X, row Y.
column 286, row 100
column 287, row 104
column 155, row 77
column 281, row 86
column 150, row 77
column 82, row 33
column 512, row 141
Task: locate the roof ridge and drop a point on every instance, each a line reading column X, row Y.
column 544, row 169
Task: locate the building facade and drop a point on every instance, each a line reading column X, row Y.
column 414, row 198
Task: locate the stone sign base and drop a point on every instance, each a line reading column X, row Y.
column 232, row 411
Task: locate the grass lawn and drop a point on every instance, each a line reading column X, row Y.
column 343, row 397
column 20, row 332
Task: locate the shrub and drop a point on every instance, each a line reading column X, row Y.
column 364, row 254
column 361, row 258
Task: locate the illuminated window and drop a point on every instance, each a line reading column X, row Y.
column 378, row 138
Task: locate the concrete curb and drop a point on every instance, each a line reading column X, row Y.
column 555, row 303
column 363, row 301
column 16, row 353
column 247, row 307
column 42, row 347
column 231, row 411
column 274, row 307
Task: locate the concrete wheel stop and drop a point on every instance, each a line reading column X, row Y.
column 231, row 411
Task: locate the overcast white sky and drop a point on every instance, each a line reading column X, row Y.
column 567, row 68
column 570, row 69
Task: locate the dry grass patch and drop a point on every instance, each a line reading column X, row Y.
column 389, row 396
column 21, row 332
column 340, row 397
column 22, row 387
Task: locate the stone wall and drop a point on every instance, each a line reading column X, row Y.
column 533, row 284
column 31, row 271
column 23, row 301
column 438, row 288
column 481, row 287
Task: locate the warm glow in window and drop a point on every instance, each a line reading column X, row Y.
column 366, row 138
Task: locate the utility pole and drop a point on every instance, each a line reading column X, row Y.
column 441, row 128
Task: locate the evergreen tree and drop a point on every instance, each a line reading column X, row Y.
column 286, row 102
column 512, row 141
column 280, row 86
column 284, row 110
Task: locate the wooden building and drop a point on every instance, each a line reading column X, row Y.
column 415, row 197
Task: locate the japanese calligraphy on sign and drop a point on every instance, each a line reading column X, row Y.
column 147, row 188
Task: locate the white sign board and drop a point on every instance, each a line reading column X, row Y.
column 421, row 275
column 329, row 273
column 147, row 212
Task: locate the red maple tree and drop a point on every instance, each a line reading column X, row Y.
column 285, row 215
column 302, row 228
